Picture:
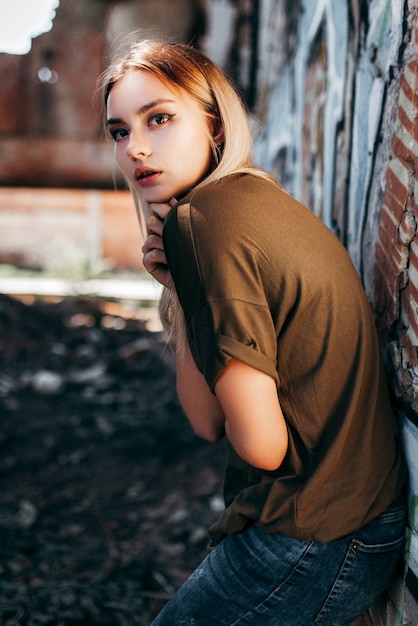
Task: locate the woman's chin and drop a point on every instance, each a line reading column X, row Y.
column 156, row 198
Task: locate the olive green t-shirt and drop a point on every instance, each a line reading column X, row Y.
column 262, row 280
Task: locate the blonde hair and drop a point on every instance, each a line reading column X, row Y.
column 185, row 69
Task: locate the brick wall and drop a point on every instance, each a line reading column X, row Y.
column 396, row 281
column 60, row 228
column 396, row 253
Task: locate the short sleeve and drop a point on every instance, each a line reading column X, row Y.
column 231, row 329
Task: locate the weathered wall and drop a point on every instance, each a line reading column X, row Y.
column 50, row 130
column 51, row 134
column 337, row 102
column 64, row 230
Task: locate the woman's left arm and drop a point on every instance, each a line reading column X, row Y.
column 254, row 422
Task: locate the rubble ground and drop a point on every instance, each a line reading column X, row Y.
column 106, row 494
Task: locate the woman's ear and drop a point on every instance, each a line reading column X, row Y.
column 218, row 133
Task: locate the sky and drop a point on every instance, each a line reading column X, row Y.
column 21, row 20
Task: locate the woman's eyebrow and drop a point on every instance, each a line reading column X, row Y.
column 114, row 120
column 141, row 110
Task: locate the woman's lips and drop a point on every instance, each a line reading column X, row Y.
column 145, row 177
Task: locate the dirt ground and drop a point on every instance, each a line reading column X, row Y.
column 106, row 494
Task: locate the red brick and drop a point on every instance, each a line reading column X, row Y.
column 389, row 241
column 389, row 220
column 407, row 124
column 396, row 196
column 410, row 72
column 409, row 351
column 413, row 293
column 402, row 151
column 385, row 304
column 414, row 255
column 387, row 265
column 383, row 259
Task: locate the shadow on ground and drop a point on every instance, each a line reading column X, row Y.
column 106, row 495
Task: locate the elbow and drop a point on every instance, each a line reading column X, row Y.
column 206, row 426
column 268, row 462
column 266, row 458
column 212, row 435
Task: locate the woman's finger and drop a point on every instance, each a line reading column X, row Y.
column 160, row 210
column 152, row 241
column 155, row 225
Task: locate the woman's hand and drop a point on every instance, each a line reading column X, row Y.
column 154, row 259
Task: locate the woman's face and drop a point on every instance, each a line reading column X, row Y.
column 161, row 137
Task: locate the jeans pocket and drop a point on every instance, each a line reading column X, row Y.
column 365, row 572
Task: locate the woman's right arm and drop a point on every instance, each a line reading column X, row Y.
column 200, row 405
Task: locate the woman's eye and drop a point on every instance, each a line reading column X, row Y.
column 159, row 119
column 118, row 133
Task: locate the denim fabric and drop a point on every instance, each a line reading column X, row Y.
column 266, row 579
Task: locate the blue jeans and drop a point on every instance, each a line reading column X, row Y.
column 266, row 579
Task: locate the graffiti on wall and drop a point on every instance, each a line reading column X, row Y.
column 340, row 130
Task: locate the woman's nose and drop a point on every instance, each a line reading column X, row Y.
column 138, row 146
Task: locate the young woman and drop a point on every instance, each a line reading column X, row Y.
column 276, row 350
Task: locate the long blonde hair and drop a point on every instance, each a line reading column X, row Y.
column 185, row 69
